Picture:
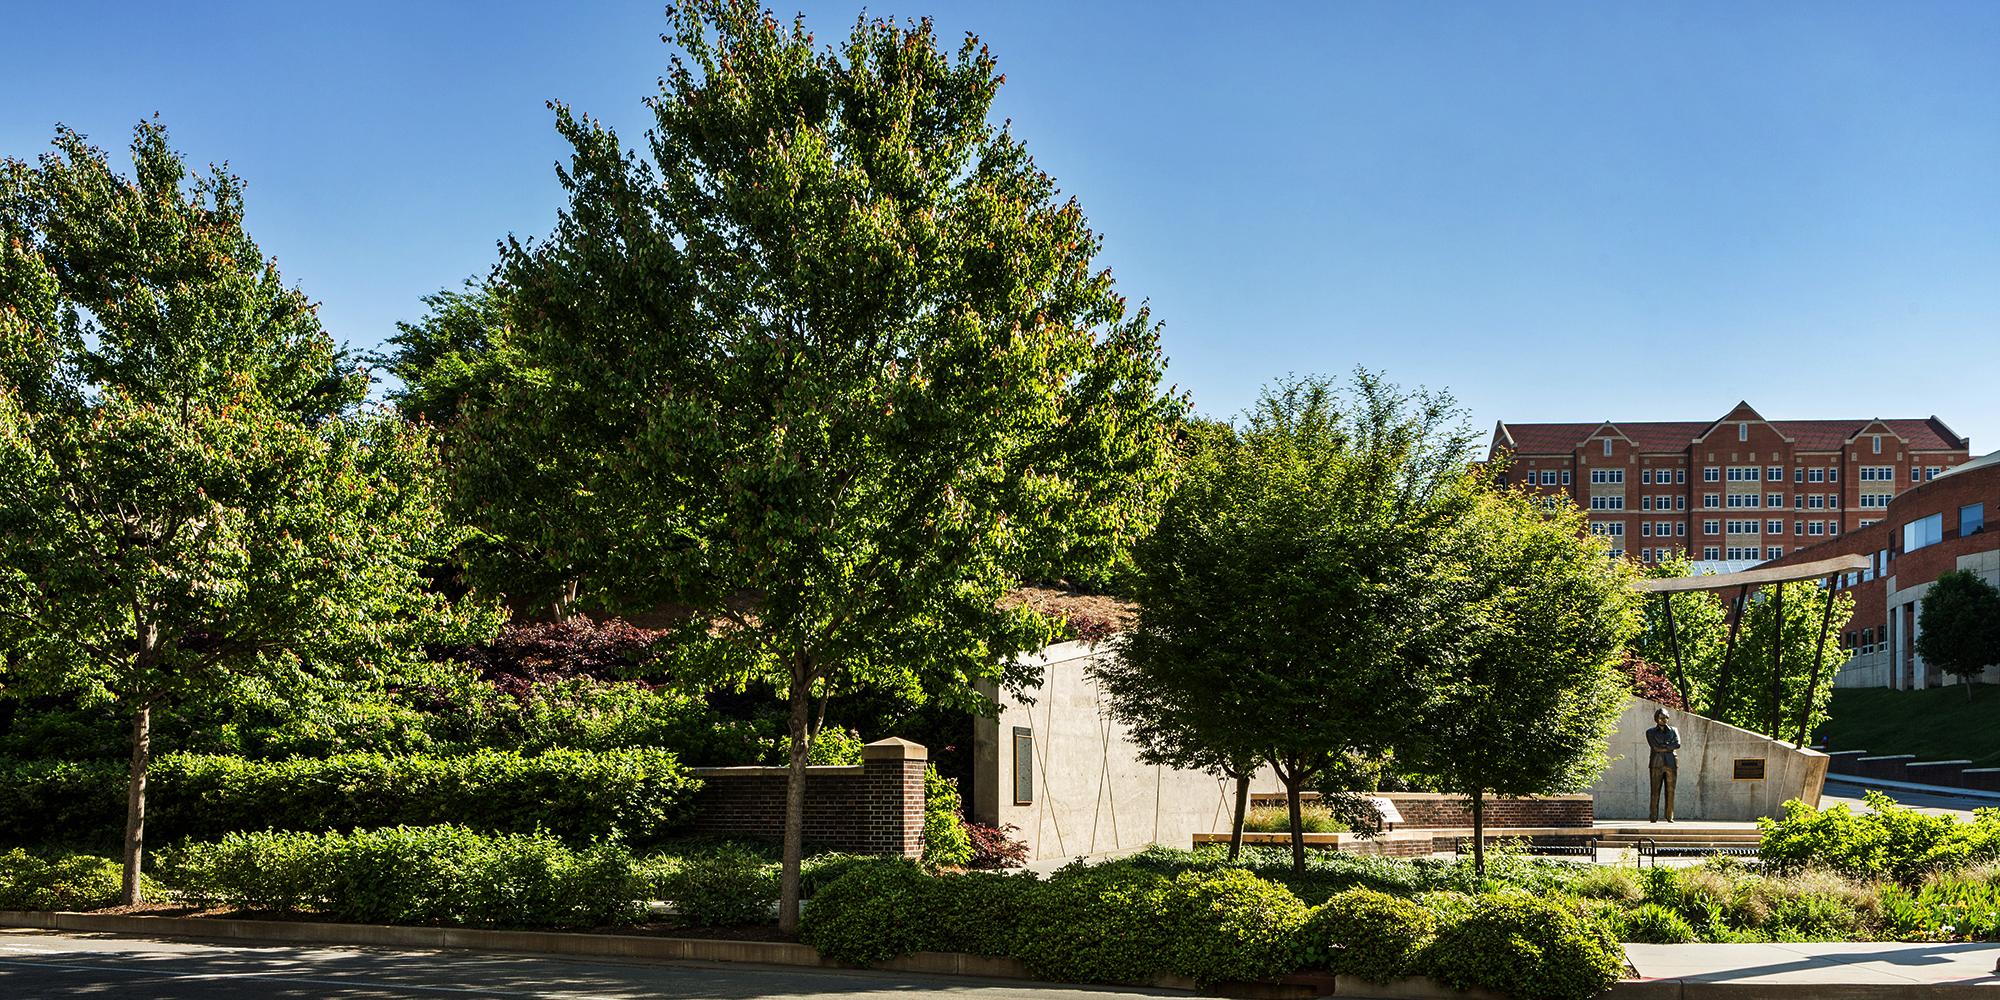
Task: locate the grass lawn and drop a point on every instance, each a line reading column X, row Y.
column 1934, row 724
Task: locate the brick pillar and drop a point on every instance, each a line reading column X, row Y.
column 893, row 778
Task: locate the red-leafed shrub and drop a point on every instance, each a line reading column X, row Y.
column 993, row 849
column 527, row 655
column 1651, row 683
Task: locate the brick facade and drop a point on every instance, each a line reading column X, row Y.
column 1647, row 486
column 1435, row 810
column 875, row 808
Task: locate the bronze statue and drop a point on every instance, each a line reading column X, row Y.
column 1663, row 768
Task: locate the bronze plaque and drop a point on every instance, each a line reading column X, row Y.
column 1749, row 769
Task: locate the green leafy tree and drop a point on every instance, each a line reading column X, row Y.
column 191, row 496
column 1959, row 625
column 827, row 373
column 1525, row 687
column 1736, row 687
column 1289, row 580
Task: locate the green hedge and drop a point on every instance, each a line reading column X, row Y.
column 637, row 794
column 1525, row 947
column 1889, row 841
column 447, row 875
column 883, row 908
column 1368, row 934
column 60, row 882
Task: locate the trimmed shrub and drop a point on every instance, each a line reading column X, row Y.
column 725, row 886
column 1094, row 924
column 638, row 794
column 62, row 882
column 1525, row 947
column 946, row 844
column 1366, row 933
column 412, row 875
column 891, row 906
column 1228, row 925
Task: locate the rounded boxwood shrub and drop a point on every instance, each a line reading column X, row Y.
column 726, row 885
column 60, row 882
column 889, row 907
column 1228, row 925
column 1094, row 924
column 1525, row 947
column 1368, row 934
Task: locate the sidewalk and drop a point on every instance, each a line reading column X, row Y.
column 1832, row 965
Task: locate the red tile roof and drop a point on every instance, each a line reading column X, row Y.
column 1673, row 436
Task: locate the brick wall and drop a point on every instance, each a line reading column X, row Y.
column 1435, row 810
column 876, row 808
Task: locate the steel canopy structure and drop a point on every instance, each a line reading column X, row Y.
column 1827, row 570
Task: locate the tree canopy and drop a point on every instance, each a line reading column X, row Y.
column 829, row 369
column 1958, row 628
column 191, row 493
column 1287, row 590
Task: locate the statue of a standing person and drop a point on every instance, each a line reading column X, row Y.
column 1663, row 768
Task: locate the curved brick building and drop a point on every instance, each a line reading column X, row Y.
column 1943, row 524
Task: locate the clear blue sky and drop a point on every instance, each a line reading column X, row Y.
column 1560, row 211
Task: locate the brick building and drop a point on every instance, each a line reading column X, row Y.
column 1929, row 529
column 1733, row 491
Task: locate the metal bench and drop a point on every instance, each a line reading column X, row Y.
column 1650, row 848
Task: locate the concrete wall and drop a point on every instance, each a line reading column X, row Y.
column 1091, row 794
column 1707, row 788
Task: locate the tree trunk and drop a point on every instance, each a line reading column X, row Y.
column 795, row 800
column 1242, row 807
column 135, row 804
column 1479, row 834
column 1298, row 825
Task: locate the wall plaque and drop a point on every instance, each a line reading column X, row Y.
column 1749, row 769
column 1024, row 766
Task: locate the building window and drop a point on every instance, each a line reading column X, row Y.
column 1711, row 527
column 1875, row 501
column 1646, row 528
column 1971, row 519
column 1798, row 527
column 1607, row 475
column 1774, row 527
column 1775, row 474
column 1024, row 766
column 1565, row 477
column 1608, row 503
column 1681, row 502
column 1914, row 477
column 1710, row 553
column 1798, row 475
column 1815, row 501
column 1615, row 529
column 1743, row 499
column 1833, row 475
column 1878, row 473
column 1815, row 475
column 1815, row 527
column 1548, row 477
column 1711, row 474
column 1742, row 527
column 1931, row 472
column 1744, row 474
column 1645, row 503
column 1742, row 432
column 1865, row 522
column 1833, row 527
column 1833, row 501
column 1775, row 500
column 1680, row 529
column 1878, row 444
column 1680, row 475
column 1922, row 532
column 1774, row 552
column 1711, row 501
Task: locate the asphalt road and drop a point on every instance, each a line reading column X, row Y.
column 35, row 965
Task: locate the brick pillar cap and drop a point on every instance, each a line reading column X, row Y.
column 894, row 748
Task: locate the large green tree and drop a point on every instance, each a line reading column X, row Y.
column 1958, row 628
column 191, row 494
column 1524, row 688
column 1291, row 581
column 1737, row 686
column 828, row 371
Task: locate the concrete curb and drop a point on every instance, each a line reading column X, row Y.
column 933, row 963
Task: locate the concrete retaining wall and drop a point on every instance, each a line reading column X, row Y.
column 1090, row 792
column 1707, row 788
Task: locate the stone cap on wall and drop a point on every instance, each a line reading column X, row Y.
column 894, row 748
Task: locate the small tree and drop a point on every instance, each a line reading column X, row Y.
column 189, row 492
column 829, row 374
column 1288, row 580
column 1959, row 625
column 1526, row 688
